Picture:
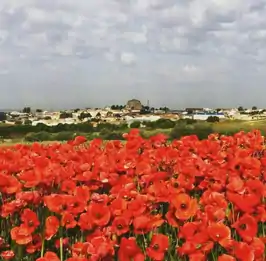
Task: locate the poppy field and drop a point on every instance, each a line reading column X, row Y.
column 143, row 199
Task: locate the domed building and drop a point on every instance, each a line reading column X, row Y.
column 134, row 105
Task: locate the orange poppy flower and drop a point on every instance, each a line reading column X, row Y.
column 185, row 206
column 22, row 235
column 219, row 232
column 225, row 257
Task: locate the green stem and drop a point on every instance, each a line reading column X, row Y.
column 61, row 245
column 20, row 252
column 213, row 256
column 43, row 246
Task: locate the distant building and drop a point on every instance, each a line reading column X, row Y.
column 203, row 116
column 193, row 110
column 134, row 105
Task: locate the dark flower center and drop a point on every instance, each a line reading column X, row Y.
column 156, row 247
column 76, row 204
column 98, row 215
column 35, row 241
column 183, row 206
column 237, row 167
column 119, row 226
column 243, row 226
column 64, row 207
column 30, row 223
column 175, row 176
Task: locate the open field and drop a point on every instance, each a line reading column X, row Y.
column 134, row 200
column 228, row 127
column 232, row 125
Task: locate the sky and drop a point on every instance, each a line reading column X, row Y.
column 93, row 53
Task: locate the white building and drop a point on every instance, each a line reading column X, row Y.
column 204, row 116
column 130, row 120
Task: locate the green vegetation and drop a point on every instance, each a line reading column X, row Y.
column 108, row 131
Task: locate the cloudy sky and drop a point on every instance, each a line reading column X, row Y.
column 178, row 53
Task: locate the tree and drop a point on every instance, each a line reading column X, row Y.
column 117, row 107
column 98, row 115
column 26, row 110
column 254, row 108
column 240, row 108
column 84, row 115
column 65, row 115
column 38, row 110
column 165, row 109
column 2, row 116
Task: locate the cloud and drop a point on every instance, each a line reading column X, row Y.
column 185, row 53
column 128, row 58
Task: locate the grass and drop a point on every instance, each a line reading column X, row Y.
column 22, row 141
column 237, row 125
column 148, row 133
column 227, row 126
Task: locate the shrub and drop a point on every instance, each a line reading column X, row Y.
column 202, row 131
column 64, row 136
column 187, row 121
column 213, row 119
column 112, row 136
column 40, row 136
column 160, row 124
column 135, row 124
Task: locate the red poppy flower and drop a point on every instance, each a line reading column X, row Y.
column 68, row 220
column 243, row 252
column 129, row 250
column 219, row 232
column 99, row 213
column 120, row 225
column 198, row 256
column 22, row 235
column 30, row 219
column 7, row 255
column 185, row 206
column 258, row 247
column 51, row 227
column 79, row 140
column 35, row 245
column 103, row 248
column 142, row 224
column 158, row 246
column 49, row 256
column 246, row 227
column 225, row 257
